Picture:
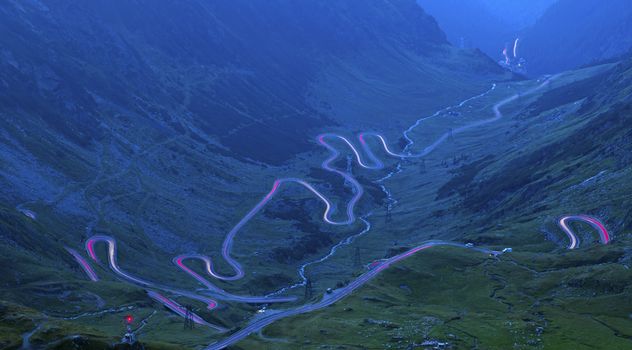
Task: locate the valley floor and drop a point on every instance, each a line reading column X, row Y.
column 538, row 296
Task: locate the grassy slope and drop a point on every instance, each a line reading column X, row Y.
column 543, row 151
column 471, row 300
column 143, row 181
column 415, row 218
column 418, row 216
column 127, row 193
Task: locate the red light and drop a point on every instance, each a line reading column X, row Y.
column 129, row 319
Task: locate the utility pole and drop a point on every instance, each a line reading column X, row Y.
column 357, row 263
column 308, row 289
column 188, row 317
column 349, row 171
column 129, row 337
column 423, row 166
column 451, row 134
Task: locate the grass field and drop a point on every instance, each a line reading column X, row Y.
column 500, row 185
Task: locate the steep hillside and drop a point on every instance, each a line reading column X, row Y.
column 518, row 14
column 484, row 24
column 564, row 149
column 162, row 123
column 577, row 32
column 485, row 31
column 227, row 74
column 120, row 110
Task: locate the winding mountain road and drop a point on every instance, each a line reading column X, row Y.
column 604, row 236
column 336, row 295
column 370, row 161
column 113, row 263
column 180, row 310
column 84, row 264
column 179, row 261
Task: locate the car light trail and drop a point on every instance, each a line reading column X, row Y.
column 515, row 48
column 179, row 262
column 604, row 236
column 180, row 310
column 84, row 264
column 113, row 262
column 336, row 295
column 111, row 243
column 372, row 163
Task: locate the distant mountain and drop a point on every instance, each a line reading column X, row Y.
column 484, row 24
column 518, row 14
column 576, row 32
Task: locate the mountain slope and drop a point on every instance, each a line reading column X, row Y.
column 485, row 31
column 484, row 24
column 562, row 150
column 518, row 14
column 162, row 123
column 120, row 83
column 574, row 33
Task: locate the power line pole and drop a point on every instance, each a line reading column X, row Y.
column 389, row 215
column 349, row 171
column 357, row 263
column 308, row 289
column 188, row 317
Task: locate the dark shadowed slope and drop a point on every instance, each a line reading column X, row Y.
column 484, row 24
column 513, row 183
column 577, row 32
column 518, row 14
column 225, row 71
column 160, row 123
column 105, row 104
column 469, row 24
